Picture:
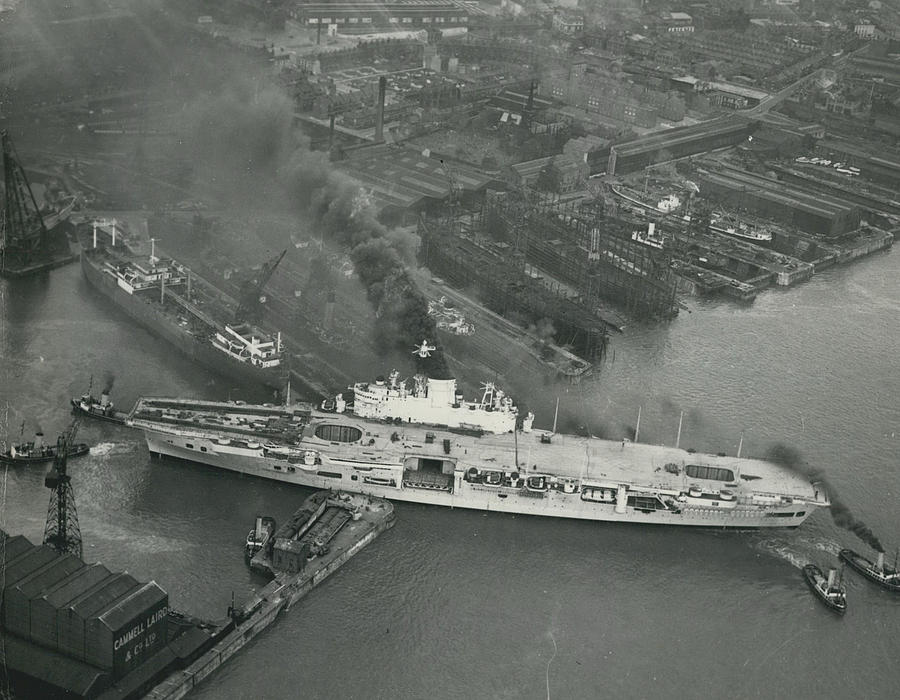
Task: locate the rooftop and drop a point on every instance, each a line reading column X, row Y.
column 403, row 177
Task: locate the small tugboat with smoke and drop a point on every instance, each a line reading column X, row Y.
column 876, row 571
column 101, row 409
column 829, row 589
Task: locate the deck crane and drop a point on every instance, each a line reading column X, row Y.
column 251, row 291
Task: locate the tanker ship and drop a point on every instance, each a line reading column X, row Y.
column 474, row 455
column 166, row 298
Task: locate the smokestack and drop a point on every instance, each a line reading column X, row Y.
column 104, row 399
column 831, row 574
column 879, row 564
column 258, row 528
column 38, row 439
column 328, row 320
column 379, row 110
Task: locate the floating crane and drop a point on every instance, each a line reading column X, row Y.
column 62, row 532
column 22, row 229
column 251, row 291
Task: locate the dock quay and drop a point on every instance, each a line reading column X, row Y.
column 322, row 535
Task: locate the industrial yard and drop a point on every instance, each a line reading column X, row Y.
column 488, row 191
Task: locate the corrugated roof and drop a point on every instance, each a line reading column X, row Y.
column 679, row 134
column 15, row 547
column 137, row 602
column 403, row 177
column 52, row 668
column 75, row 585
column 531, row 167
column 97, row 601
column 49, row 575
column 27, row 563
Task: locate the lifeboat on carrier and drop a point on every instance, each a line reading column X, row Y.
column 379, row 480
column 492, row 478
column 538, row 482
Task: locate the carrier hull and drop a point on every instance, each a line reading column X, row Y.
column 421, row 464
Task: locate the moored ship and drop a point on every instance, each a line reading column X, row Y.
column 516, row 471
column 165, row 297
column 730, row 226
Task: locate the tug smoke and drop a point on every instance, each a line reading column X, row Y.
column 790, row 458
column 108, row 380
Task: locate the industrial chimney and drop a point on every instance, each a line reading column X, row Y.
column 379, row 110
column 328, row 320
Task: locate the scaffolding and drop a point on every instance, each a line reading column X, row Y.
column 530, row 253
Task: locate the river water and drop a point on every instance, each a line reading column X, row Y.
column 459, row 604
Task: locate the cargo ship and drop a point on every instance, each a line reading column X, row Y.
column 723, row 223
column 169, row 300
column 458, row 454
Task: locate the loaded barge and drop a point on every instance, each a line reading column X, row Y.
column 327, row 530
column 427, row 445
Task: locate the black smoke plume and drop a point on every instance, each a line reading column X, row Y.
column 380, row 256
column 244, row 139
column 790, row 458
column 108, row 380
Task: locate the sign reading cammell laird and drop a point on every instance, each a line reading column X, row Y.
column 140, row 639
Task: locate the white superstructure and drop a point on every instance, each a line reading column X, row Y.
column 527, row 472
column 433, row 401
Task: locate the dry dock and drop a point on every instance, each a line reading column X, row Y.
column 328, row 529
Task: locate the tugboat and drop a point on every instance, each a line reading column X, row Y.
column 830, row 590
column 103, row 409
column 877, row 572
column 259, row 535
column 36, row 452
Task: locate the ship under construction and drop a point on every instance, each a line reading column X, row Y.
column 532, row 255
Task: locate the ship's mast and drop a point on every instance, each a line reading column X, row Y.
column 62, row 532
column 23, row 232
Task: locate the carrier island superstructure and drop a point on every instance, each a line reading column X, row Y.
column 463, row 464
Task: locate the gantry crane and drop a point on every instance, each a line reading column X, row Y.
column 61, row 531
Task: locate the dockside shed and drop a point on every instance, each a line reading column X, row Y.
column 44, row 609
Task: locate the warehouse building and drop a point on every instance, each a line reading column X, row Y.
column 72, row 629
column 791, row 204
column 662, row 146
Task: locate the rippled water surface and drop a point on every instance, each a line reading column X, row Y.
column 459, row 604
